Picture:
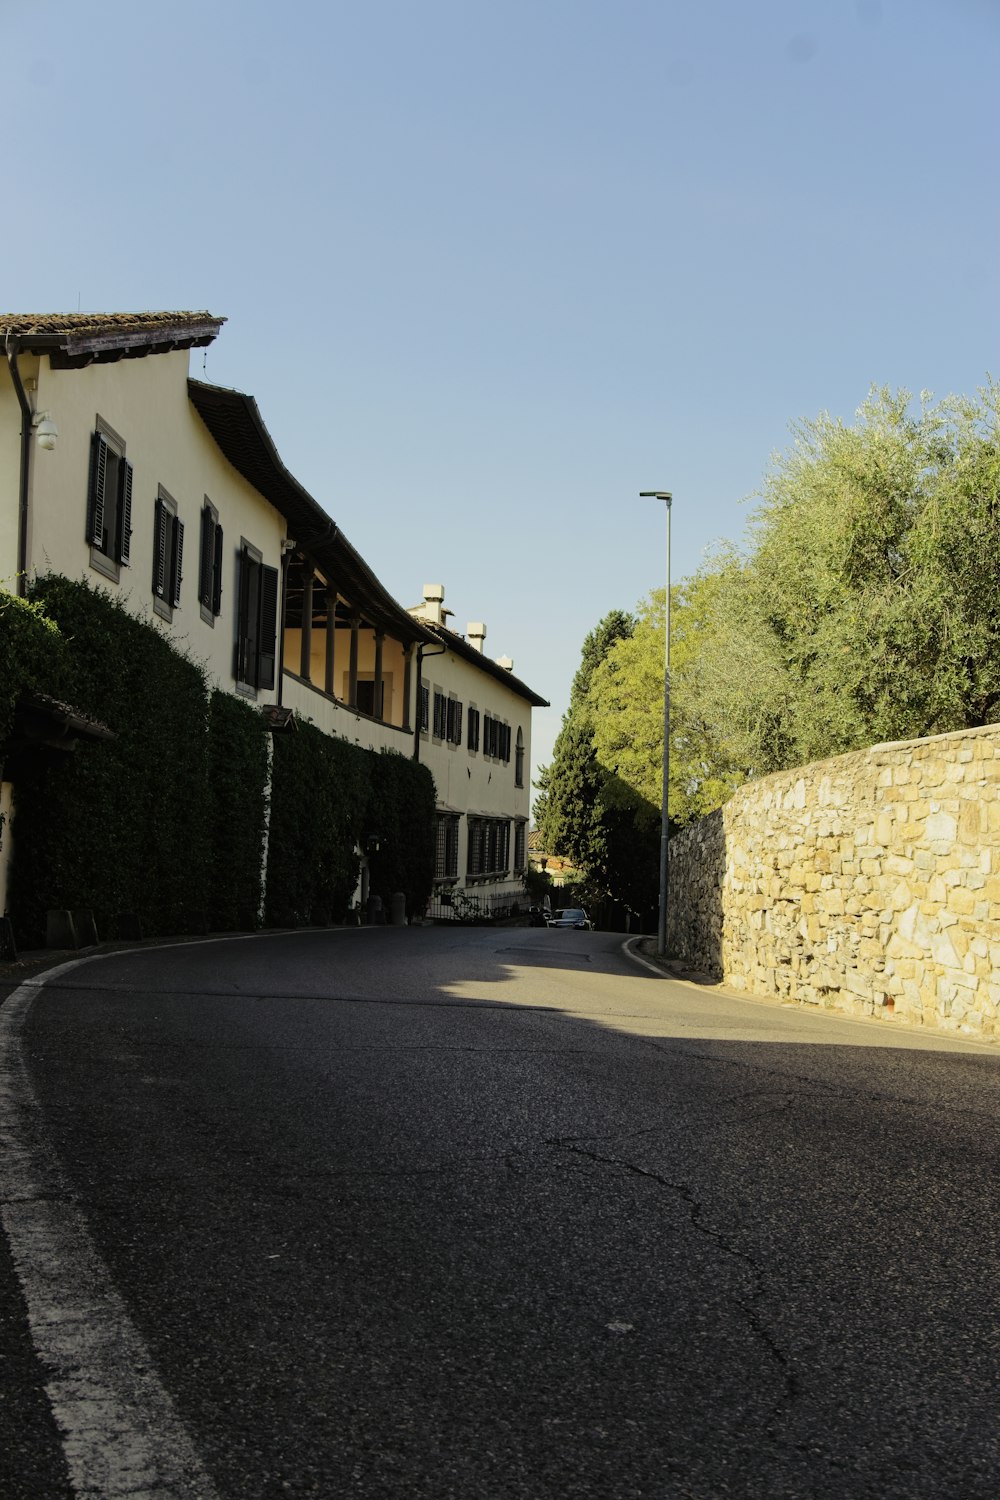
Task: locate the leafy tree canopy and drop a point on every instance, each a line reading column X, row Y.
column 862, row 606
column 584, row 812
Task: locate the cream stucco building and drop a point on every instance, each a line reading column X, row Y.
column 117, row 467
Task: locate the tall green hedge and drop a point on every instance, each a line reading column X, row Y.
column 237, row 782
column 120, row 827
column 32, row 656
column 319, row 789
column 329, row 799
column 167, row 821
column 400, row 814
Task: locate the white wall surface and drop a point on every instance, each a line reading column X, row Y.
column 166, row 442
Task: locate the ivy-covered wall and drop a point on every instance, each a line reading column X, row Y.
column 400, row 819
column 329, row 799
column 32, row 655
column 166, row 822
column 319, row 789
column 237, row 783
column 121, row 827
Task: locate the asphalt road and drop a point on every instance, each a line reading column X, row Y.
column 421, row 1213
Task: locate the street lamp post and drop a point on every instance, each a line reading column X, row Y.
column 661, row 932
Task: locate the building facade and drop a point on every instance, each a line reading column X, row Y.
column 118, row 468
column 475, row 736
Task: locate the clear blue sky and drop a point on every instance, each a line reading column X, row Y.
column 493, row 266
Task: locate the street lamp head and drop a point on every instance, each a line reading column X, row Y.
column 656, row 495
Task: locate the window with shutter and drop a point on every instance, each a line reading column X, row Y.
column 217, row 584
column 268, row 628
column 256, row 621
column 95, row 502
column 519, row 764
column 176, row 560
column 472, row 741
column 124, row 528
column 425, row 707
column 168, row 555
column 210, row 564
column 109, row 502
column 248, row 615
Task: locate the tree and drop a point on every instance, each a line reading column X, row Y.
column 582, row 812
column 869, row 594
column 567, row 809
column 862, row 606
column 626, row 704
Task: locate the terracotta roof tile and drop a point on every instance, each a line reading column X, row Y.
column 99, row 322
column 72, row 340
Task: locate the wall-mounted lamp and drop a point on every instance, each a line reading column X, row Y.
column 287, row 546
column 46, row 430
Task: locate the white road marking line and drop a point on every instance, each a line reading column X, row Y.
column 628, row 948
column 122, row 1437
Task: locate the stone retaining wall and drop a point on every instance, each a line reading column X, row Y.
column 870, row 882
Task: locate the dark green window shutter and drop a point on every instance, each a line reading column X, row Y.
column 239, row 666
column 176, row 560
column 268, row 633
column 251, row 614
column 207, row 558
column 217, row 573
column 161, row 519
column 124, row 538
column 95, row 498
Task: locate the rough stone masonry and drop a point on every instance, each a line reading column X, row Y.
column 869, row 883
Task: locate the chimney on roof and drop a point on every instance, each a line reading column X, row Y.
column 433, row 610
column 507, row 662
column 476, row 631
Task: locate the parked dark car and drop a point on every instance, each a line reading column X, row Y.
column 571, row 916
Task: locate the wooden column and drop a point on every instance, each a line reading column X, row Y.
column 331, row 637
column 352, row 690
column 305, row 655
column 377, row 694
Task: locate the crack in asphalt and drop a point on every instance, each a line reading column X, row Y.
column 574, row 1146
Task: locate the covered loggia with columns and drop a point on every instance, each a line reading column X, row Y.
column 348, row 643
column 345, row 642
